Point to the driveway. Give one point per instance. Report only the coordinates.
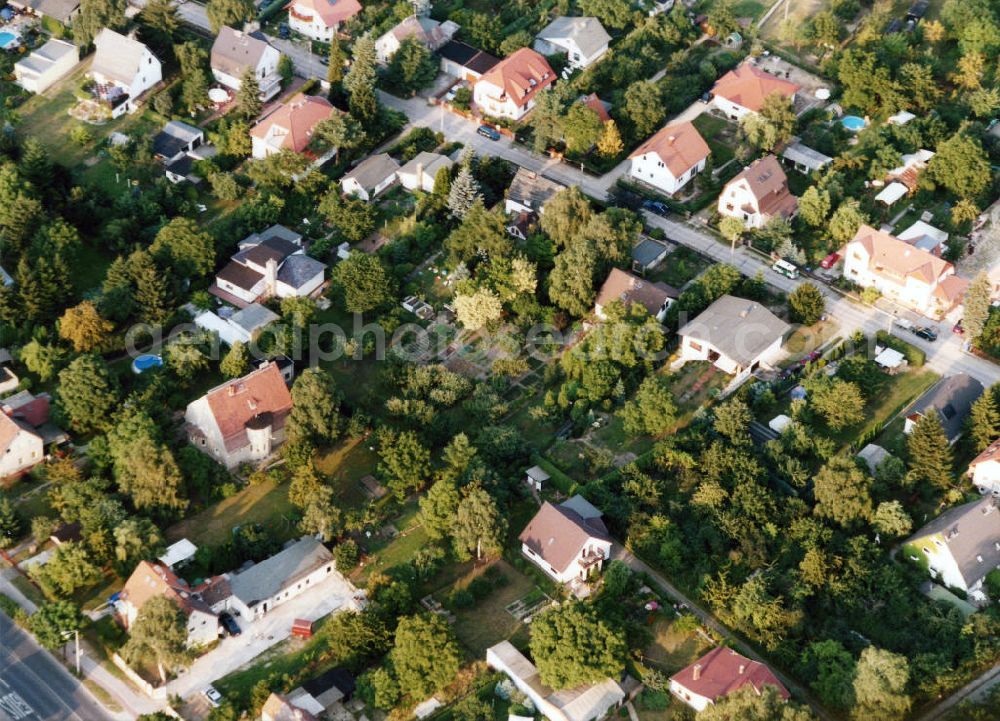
(333, 594)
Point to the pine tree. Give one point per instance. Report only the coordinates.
(237, 361)
(984, 421)
(335, 69)
(930, 457)
(610, 143)
(463, 194)
(194, 86)
(35, 166)
(152, 288)
(360, 80)
(976, 306)
(248, 96)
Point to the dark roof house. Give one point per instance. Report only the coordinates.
(952, 398)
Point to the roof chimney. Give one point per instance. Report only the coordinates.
(743, 667)
(697, 671)
(671, 139)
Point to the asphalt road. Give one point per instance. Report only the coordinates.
(35, 687)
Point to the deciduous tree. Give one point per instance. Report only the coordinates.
(961, 166)
(880, 686)
(236, 362)
(159, 634)
(53, 620)
(403, 461)
(228, 12)
(478, 309)
(364, 281)
(182, 244)
(315, 416)
(479, 530)
(843, 492)
(83, 326)
(425, 655)
(572, 645)
(652, 411)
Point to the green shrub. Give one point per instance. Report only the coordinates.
(346, 555)
(480, 588)
(460, 598)
(914, 356)
(654, 700)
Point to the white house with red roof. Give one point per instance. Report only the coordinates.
(985, 469)
(510, 88)
(718, 673)
(21, 447)
(568, 541)
(242, 420)
(742, 90)
(758, 194)
(671, 158)
(320, 19)
(290, 126)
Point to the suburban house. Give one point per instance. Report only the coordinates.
(123, 70)
(671, 158)
(282, 708)
(582, 39)
(952, 398)
(149, 580)
(242, 420)
(961, 546)
(568, 541)
(521, 224)
(737, 335)
(64, 11)
(235, 52)
(803, 158)
(21, 447)
(626, 288)
(925, 237)
(428, 32)
(178, 146)
(290, 126)
(902, 272)
(588, 702)
(718, 673)
(529, 192)
(272, 263)
(243, 326)
(985, 470)
(320, 19)
(758, 194)
(46, 65)
(371, 177)
(510, 88)
(464, 61)
(601, 108)
(421, 172)
(742, 90)
(275, 580)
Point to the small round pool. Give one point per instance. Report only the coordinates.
(853, 123)
(145, 362)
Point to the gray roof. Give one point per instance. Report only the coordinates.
(373, 170)
(254, 317)
(873, 455)
(174, 137)
(804, 155)
(267, 578)
(537, 473)
(972, 532)
(41, 59)
(583, 508)
(431, 163)
(234, 51)
(118, 57)
(297, 270)
(531, 189)
(739, 328)
(588, 33)
(647, 251)
(61, 10)
(275, 231)
(952, 397)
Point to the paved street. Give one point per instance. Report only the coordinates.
(35, 687)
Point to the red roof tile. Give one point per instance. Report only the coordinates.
(747, 87)
(521, 76)
(679, 146)
(295, 122)
(722, 671)
(253, 397)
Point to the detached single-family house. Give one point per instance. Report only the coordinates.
(46, 65)
(758, 194)
(243, 326)
(588, 702)
(961, 545)
(568, 541)
(421, 172)
(371, 177)
(985, 469)
(235, 52)
(178, 146)
(902, 272)
(583, 39)
(242, 420)
(149, 580)
(123, 69)
(529, 192)
(279, 578)
(272, 263)
(742, 90)
(952, 399)
(510, 88)
(63, 11)
(735, 334)
(926, 237)
(626, 288)
(290, 126)
(671, 158)
(717, 674)
(284, 708)
(21, 448)
(464, 61)
(320, 19)
(428, 32)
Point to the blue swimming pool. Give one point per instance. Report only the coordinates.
(145, 362)
(7, 39)
(853, 123)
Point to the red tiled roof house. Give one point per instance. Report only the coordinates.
(290, 126)
(719, 673)
(242, 420)
(568, 541)
(742, 90)
(671, 158)
(320, 19)
(510, 88)
(758, 194)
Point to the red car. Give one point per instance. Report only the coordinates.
(829, 261)
(957, 329)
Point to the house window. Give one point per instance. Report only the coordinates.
(926, 550)
(695, 346)
(729, 207)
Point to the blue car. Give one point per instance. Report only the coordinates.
(655, 206)
(487, 132)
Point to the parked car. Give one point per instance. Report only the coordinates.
(229, 623)
(829, 261)
(928, 334)
(655, 206)
(212, 694)
(487, 132)
(284, 31)
(957, 329)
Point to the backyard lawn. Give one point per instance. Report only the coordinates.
(719, 134)
(806, 339)
(682, 265)
(895, 396)
(344, 466)
(673, 648)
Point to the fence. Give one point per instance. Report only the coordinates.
(157, 692)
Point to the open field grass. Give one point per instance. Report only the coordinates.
(806, 339)
(488, 622)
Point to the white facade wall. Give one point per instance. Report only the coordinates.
(732, 201)
(199, 415)
(25, 451)
(942, 564)
(295, 589)
(283, 290)
(314, 28)
(386, 46)
(249, 296)
(651, 170)
(574, 570)
(692, 699)
(266, 71)
(913, 293)
(697, 349)
(40, 82)
(986, 477)
(730, 109)
(575, 57)
(486, 96)
(350, 186)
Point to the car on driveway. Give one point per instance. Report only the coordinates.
(284, 31)
(487, 132)
(928, 334)
(655, 206)
(229, 623)
(958, 328)
(213, 696)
